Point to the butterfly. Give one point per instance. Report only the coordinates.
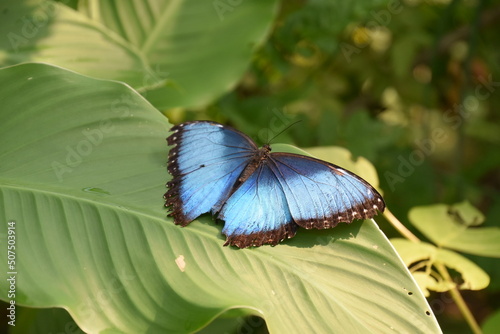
(262, 197)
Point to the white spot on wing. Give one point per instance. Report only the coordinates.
(180, 262)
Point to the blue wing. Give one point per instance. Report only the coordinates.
(257, 212)
(287, 190)
(205, 164)
(321, 195)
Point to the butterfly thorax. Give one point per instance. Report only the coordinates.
(259, 158)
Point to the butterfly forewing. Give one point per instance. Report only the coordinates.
(205, 163)
(320, 194)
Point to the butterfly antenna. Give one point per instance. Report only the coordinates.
(289, 126)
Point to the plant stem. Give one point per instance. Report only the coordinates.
(399, 226)
(457, 297)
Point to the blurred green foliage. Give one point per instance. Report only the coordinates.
(410, 85)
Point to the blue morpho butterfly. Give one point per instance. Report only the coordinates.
(262, 197)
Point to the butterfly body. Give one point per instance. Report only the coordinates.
(262, 197)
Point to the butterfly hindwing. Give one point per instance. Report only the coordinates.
(257, 212)
(205, 162)
(320, 195)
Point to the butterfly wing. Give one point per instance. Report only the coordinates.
(320, 195)
(257, 212)
(205, 163)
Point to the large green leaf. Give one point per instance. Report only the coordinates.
(177, 53)
(38, 30)
(82, 177)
